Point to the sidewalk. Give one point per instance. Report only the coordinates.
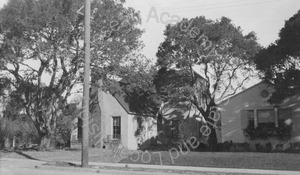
(144, 167)
(194, 169)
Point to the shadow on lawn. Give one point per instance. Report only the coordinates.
(51, 163)
(25, 155)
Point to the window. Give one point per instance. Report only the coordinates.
(264, 123)
(116, 127)
(250, 116)
(266, 118)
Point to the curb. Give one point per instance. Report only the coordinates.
(195, 169)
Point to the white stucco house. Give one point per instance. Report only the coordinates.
(112, 123)
(248, 117)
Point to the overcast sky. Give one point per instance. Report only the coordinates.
(265, 17)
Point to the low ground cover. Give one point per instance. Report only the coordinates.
(247, 160)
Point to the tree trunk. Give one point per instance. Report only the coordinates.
(47, 142)
(2, 144)
(212, 139)
(48, 138)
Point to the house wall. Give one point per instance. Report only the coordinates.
(232, 128)
(110, 108)
(144, 131)
(294, 104)
(101, 123)
(183, 112)
(132, 126)
(233, 123)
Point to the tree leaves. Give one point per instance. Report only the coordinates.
(45, 39)
(280, 62)
(216, 50)
(202, 62)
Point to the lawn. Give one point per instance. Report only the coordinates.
(249, 160)
(95, 155)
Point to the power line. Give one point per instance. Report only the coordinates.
(218, 7)
(212, 5)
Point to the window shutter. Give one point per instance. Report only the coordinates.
(244, 119)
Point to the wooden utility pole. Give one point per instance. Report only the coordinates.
(86, 88)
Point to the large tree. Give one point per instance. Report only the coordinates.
(202, 61)
(41, 52)
(139, 91)
(280, 62)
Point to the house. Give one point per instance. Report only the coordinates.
(248, 117)
(111, 123)
(180, 119)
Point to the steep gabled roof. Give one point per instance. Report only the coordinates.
(237, 94)
(126, 106)
(120, 99)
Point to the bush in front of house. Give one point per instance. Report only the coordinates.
(229, 146)
(268, 147)
(283, 131)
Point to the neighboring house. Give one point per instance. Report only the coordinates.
(177, 121)
(180, 119)
(248, 117)
(112, 123)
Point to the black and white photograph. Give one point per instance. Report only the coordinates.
(159, 87)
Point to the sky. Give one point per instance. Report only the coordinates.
(264, 17)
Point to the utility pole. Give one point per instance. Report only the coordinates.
(86, 89)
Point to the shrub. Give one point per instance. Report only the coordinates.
(281, 132)
(63, 132)
(268, 147)
(259, 147)
(22, 130)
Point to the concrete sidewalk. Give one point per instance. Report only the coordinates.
(27, 163)
(194, 169)
(38, 167)
(20, 163)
